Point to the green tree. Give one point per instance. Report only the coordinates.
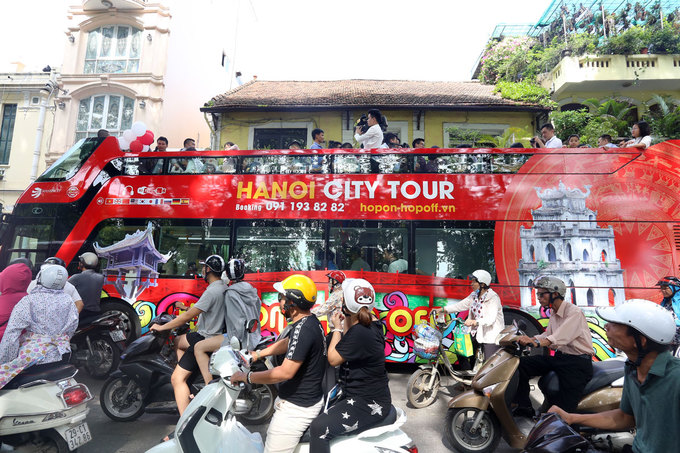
(508, 137)
(618, 113)
(570, 122)
(665, 122)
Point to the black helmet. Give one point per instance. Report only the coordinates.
(215, 263)
(55, 260)
(236, 269)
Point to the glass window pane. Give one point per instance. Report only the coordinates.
(186, 165)
(454, 250)
(111, 66)
(370, 246)
(122, 41)
(134, 44)
(465, 163)
(107, 38)
(89, 67)
(228, 165)
(427, 163)
(128, 112)
(389, 163)
(97, 112)
(83, 114)
(92, 40)
(279, 246)
(133, 66)
(357, 163)
(112, 119)
(508, 163)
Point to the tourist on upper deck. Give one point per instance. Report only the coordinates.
(517, 145)
(574, 141)
(418, 143)
(189, 145)
(373, 137)
(295, 145)
(391, 140)
(605, 141)
(548, 139)
(318, 139)
(102, 133)
(347, 145)
(642, 136)
(161, 144)
(231, 146)
(332, 144)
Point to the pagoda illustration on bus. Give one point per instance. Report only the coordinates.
(566, 242)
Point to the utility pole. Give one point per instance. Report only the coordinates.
(50, 87)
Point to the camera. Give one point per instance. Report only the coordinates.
(533, 142)
(362, 123)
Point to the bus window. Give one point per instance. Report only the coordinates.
(370, 246)
(448, 249)
(148, 166)
(508, 163)
(353, 163)
(31, 240)
(465, 163)
(188, 165)
(274, 246)
(389, 163)
(70, 162)
(427, 164)
(228, 165)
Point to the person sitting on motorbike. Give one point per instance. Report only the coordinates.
(486, 313)
(40, 327)
(89, 285)
(568, 334)
(359, 347)
(670, 290)
(300, 396)
(68, 287)
(333, 301)
(13, 283)
(210, 323)
(651, 385)
(241, 305)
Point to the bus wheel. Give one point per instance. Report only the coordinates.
(131, 323)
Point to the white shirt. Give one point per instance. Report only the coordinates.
(646, 140)
(554, 142)
(68, 289)
(373, 137)
(491, 321)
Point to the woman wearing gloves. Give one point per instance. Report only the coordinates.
(486, 313)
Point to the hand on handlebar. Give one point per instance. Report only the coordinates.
(238, 376)
(525, 340)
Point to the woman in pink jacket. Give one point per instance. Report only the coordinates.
(13, 283)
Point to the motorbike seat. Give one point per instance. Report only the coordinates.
(391, 418)
(55, 371)
(604, 373)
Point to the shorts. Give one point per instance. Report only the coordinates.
(188, 360)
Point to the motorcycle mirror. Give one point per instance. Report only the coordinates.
(252, 326)
(522, 326)
(235, 344)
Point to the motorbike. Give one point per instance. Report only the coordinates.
(97, 345)
(551, 434)
(477, 418)
(256, 401)
(44, 409)
(424, 383)
(209, 422)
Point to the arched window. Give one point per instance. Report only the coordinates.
(573, 292)
(612, 297)
(569, 256)
(586, 255)
(532, 252)
(591, 298)
(603, 256)
(112, 49)
(550, 253)
(112, 112)
(533, 292)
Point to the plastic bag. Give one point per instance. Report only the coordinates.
(462, 341)
(235, 438)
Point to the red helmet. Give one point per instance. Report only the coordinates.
(337, 276)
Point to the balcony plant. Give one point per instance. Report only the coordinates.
(525, 92)
(629, 42)
(665, 121)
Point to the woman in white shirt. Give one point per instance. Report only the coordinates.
(642, 136)
(486, 313)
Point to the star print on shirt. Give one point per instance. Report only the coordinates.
(323, 436)
(350, 402)
(345, 415)
(349, 428)
(375, 408)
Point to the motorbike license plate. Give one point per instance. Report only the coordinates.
(117, 335)
(75, 437)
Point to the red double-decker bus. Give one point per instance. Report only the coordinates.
(415, 223)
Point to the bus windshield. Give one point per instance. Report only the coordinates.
(68, 165)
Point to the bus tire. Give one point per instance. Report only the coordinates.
(131, 322)
(533, 327)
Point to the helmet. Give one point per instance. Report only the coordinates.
(648, 318)
(669, 281)
(236, 269)
(358, 293)
(482, 276)
(215, 263)
(337, 276)
(89, 260)
(55, 260)
(552, 284)
(298, 288)
(52, 277)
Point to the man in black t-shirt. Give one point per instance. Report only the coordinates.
(300, 396)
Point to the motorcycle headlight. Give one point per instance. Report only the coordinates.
(487, 391)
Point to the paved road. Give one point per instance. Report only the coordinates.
(424, 426)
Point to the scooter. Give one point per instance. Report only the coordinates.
(142, 381)
(476, 419)
(44, 409)
(209, 424)
(97, 345)
(551, 434)
(256, 401)
(424, 383)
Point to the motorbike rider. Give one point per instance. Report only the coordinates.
(568, 334)
(334, 300)
(359, 347)
(651, 387)
(241, 304)
(89, 285)
(68, 287)
(670, 290)
(14, 280)
(210, 323)
(300, 396)
(486, 313)
(40, 327)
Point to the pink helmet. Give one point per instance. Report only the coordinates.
(337, 276)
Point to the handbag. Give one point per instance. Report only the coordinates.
(462, 341)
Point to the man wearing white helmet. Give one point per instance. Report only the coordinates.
(40, 327)
(569, 336)
(643, 330)
(89, 284)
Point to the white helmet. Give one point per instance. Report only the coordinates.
(650, 319)
(89, 260)
(52, 277)
(482, 276)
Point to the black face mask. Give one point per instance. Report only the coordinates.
(345, 311)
